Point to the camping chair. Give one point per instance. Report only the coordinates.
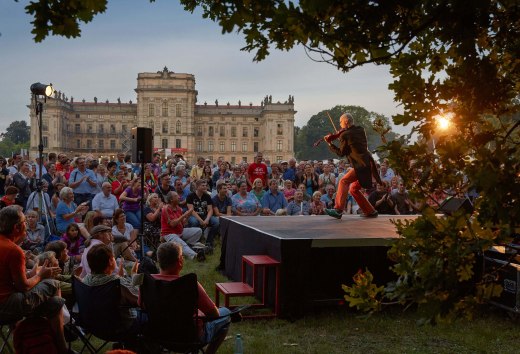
(98, 313)
(171, 307)
(5, 336)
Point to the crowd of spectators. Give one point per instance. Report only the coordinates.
(88, 211)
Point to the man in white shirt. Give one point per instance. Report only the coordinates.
(105, 201)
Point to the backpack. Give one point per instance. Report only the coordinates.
(34, 336)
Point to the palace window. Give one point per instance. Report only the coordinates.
(199, 146)
(45, 125)
(178, 127)
(151, 110)
(165, 127)
(112, 144)
(77, 128)
(178, 110)
(112, 128)
(222, 131)
(101, 144)
(233, 132)
(164, 143)
(233, 160)
(244, 158)
(233, 146)
(89, 144)
(279, 159)
(256, 132)
(199, 130)
(255, 146)
(124, 128)
(222, 146)
(279, 129)
(45, 141)
(165, 109)
(178, 143)
(101, 128)
(78, 144)
(210, 131)
(244, 132)
(244, 147)
(210, 145)
(89, 128)
(279, 145)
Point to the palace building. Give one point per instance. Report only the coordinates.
(167, 103)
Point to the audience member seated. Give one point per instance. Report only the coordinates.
(130, 199)
(403, 204)
(202, 206)
(105, 201)
(317, 206)
(298, 206)
(35, 239)
(74, 241)
(25, 293)
(381, 199)
(306, 196)
(328, 197)
(326, 178)
(103, 265)
(164, 187)
(288, 190)
(169, 256)
(273, 200)
(10, 197)
(67, 210)
(258, 189)
(244, 203)
(182, 192)
(152, 215)
(124, 234)
(100, 234)
(173, 230)
(120, 184)
(65, 263)
(221, 201)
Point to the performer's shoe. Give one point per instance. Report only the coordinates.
(372, 215)
(334, 213)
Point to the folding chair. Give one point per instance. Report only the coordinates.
(5, 336)
(171, 307)
(98, 313)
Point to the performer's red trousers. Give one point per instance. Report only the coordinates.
(349, 183)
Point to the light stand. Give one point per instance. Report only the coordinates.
(39, 89)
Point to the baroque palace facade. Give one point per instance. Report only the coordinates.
(167, 103)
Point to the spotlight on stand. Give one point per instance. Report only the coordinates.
(42, 89)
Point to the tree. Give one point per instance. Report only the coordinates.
(17, 132)
(320, 125)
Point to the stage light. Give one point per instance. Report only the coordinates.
(42, 89)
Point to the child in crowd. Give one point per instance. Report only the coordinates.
(9, 198)
(35, 233)
(288, 190)
(74, 241)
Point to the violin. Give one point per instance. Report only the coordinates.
(332, 137)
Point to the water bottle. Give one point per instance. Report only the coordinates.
(239, 349)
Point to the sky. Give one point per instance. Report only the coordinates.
(135, 36)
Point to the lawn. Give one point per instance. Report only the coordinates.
(342, 330)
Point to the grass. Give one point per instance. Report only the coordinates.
(342, 330)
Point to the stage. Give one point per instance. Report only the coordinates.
(317, 253)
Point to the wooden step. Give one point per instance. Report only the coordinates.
(235, 289)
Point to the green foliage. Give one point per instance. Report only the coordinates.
(18, 132)
(320, 125)
(364, 294)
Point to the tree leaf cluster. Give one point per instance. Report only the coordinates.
(15, 138)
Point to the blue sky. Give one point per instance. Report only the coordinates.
(135, 36)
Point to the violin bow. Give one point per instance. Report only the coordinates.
(332, 122)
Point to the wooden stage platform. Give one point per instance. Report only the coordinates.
(317, 253)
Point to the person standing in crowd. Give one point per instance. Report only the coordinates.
(53, 177)
(131, 199)
(353, 145)
(25, 181)
(83, 182)
(385, 173)
(381, 199)
(257, 169)
(155, 166)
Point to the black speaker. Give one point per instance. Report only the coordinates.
(452, 204)
(142, 145)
